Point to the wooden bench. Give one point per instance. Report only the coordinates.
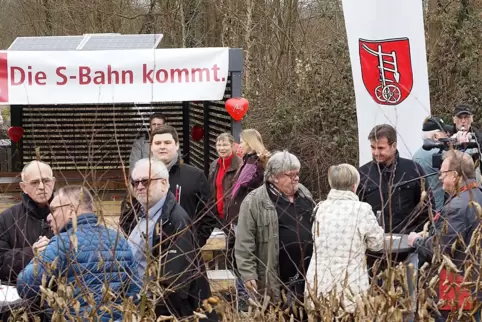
(214, 252)
(221, 280)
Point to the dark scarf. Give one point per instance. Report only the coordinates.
(173, 162)
(34, 209)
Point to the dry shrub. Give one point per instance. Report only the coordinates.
(298, 79)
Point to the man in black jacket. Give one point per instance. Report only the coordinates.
(165, 228)
(187, 183)
(394, 188)
(23, 227)
(393, 185)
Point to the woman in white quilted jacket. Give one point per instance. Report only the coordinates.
(344, 228)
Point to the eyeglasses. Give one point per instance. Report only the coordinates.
(145, 182)
(447, 171)
(54, 209)
(292, 176)
(36, 183)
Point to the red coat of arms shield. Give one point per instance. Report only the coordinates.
(386, 68)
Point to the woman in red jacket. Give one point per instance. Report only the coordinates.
(222, 173)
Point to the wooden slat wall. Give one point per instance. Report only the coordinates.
(81, 137)
(219, 122)
(196, 117)
(101, 136)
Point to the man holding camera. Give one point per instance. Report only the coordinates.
(463, 131)
(433, 129)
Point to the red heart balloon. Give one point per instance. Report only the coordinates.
(237, 107)
(197, 133)
(15, 133)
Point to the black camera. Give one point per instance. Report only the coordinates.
(445, 144)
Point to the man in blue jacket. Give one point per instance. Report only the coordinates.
(89, 266)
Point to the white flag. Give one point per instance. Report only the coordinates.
(388, 58)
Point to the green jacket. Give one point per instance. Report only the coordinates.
(257, 241)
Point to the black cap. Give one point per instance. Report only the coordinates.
(433, 123)
(462, 109)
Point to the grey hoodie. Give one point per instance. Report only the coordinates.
(140, 149)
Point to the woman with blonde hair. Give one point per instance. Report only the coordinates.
(249, 177)
(343, 230)
(251, 174)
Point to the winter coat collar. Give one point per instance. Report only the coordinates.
(335, 194)
(88, 219)
(390, 168)
(168, 207)
(33, 209)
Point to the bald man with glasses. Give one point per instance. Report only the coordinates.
(23, 227)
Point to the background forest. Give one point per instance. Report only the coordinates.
(297, 68)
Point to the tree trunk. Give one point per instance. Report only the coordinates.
(148, 25)
(49, 29)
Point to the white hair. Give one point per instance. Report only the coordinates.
(31, 163)
(281, 162)
(429, 135)
(158, 168)
(343, 177)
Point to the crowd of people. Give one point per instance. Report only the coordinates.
(282, 244)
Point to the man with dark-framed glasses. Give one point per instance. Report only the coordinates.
(163, 241)
(23, 227)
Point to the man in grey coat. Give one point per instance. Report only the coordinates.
(274, 242)
(433, 129)
(142, 147)
(453, 227)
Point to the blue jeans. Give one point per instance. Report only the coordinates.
(412, 277)
(242, 293)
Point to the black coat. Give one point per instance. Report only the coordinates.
(20, 227)
(181, 270)
(196, 198)
(403, 206)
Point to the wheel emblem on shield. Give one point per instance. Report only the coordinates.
(386, 69)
